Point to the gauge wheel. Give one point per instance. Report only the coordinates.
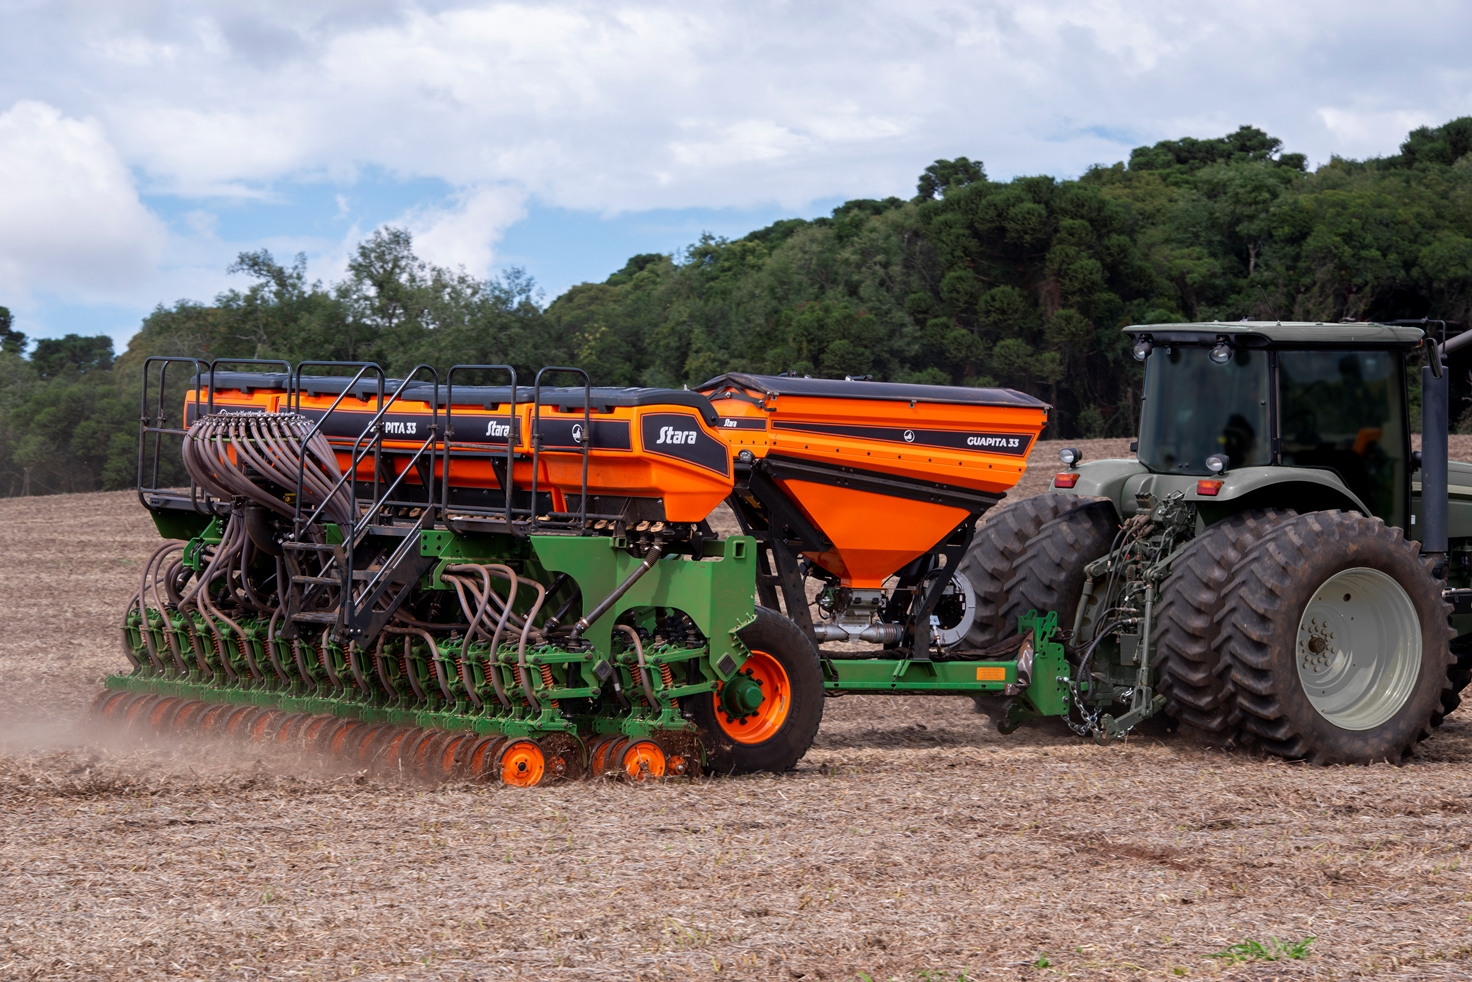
(765, 716)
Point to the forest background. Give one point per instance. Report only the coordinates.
(1022, 283)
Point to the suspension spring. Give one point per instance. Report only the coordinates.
(669, 681)
(549, 682)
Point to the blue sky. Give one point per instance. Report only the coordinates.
(144, 143)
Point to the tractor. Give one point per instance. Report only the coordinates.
(1277, 568)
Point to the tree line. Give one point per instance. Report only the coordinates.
(1022, 283)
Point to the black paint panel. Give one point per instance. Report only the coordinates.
(679, 435)
(566, 434)
(1011, 444)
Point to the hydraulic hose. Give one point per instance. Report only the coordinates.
(650, 558)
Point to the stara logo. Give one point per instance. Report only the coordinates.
(909, 436)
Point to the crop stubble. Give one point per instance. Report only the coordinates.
(912, 838)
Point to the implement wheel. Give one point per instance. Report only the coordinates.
(1337, 640)
(522, 764)
(765, 717)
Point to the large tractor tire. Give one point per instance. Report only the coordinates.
(773, 734)
(1337, 641)
(1049, 573)
(991, 562)
(1460, 674)
(1196, 692)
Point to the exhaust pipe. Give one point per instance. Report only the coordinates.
(1434, 453)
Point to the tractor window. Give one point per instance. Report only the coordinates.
(1344, 410)
(1195, 408)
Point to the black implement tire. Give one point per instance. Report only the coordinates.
(778, 641)
(1049, 574)
(992, 559)
(1337, 641)
(1196, 693)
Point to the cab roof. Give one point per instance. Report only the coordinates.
(1262, 334)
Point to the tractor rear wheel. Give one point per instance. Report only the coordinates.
(1460, 674)
(1337, 641)
(1185, 651)
(1049, 573)
(991, 561)
(770, 723)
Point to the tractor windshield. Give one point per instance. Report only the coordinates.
(1195, 408)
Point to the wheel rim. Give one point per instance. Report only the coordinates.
(644, 761)
(522, 764)
(764, 722)
(1358, 649)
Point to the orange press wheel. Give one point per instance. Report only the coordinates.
(188, 716)
(107, 701)
(479, 763)
(239, 722)
(642, 760)
(522, 764)
(263, 727)
(136, 710)
(313, 727)
(371, 742)
(604, 751)
(290, 728)
(161, 716)
(446, 763)
(386, 760)
(211, 716)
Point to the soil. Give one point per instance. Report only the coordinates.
(912, 842)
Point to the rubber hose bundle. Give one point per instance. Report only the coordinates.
(279, 447)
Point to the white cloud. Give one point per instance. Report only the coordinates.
(70, 217)
(466, 233)
(629, 105)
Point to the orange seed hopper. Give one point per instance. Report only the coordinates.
(883, 471)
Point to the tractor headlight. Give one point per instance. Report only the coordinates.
(1069, 456)
(1216, 463)
(1221, 354)
(1142, 348)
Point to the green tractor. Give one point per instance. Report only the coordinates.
(1278, 568)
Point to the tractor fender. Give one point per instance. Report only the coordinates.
(1299, 488)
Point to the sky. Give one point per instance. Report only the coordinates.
(144, 143)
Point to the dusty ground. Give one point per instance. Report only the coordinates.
(913, 842)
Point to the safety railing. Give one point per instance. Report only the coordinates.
(582, 437)
(505, 476)
(153, 428)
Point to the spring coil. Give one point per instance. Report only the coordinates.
(669, 681)
(549, 682)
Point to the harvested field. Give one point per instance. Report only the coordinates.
(913, 841)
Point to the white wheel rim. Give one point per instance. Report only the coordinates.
(1358, 649)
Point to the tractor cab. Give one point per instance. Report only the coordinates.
(1224, 402)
